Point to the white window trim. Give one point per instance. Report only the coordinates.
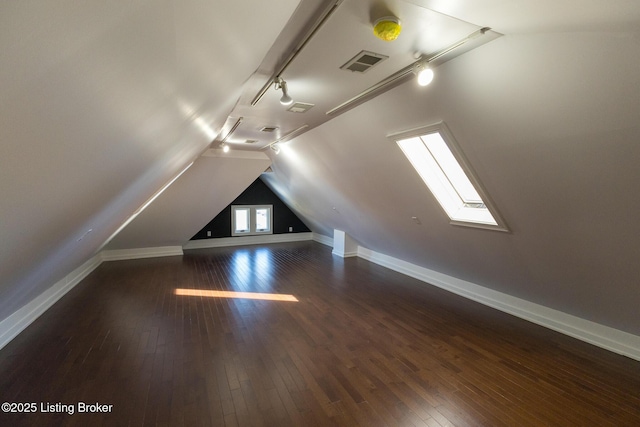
(252, 220)
(450, 141)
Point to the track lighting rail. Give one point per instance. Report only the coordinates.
(321, 21)
(400, 76)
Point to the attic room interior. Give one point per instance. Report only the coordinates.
(263, 213)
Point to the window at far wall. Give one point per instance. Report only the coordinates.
(434, 154)
(251, 220)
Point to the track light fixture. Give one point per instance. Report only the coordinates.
(281, 84)
(424, 72)
(223, 143)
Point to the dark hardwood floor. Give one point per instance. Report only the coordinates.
(363, 346)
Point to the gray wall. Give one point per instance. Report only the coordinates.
(553, 136)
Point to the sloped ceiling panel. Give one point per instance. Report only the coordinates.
(101, 104)
(186, 206)
(541, 16)
(553, 136)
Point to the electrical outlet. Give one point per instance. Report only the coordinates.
(290, 229)
(208, 233)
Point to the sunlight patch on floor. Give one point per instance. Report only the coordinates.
(239, 295)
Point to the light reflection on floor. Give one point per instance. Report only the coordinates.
(236, 295)
(251, 270)
(263, 262)
(240, 268)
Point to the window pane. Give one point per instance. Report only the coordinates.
(431, 156)
(431, 174)
(262, 219)
(242, 220)
(451, 167)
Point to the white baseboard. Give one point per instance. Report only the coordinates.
(321, 238)
(344, 254)
(247, 240)
(18, 321)
(602, 336)
(138, 253)
(23, 317)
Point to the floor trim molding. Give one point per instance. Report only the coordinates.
(11, 326)
(17, 322)
(594, 333)
(321, 238)
(602, 336)
(344, 254)
(138, 253)
(247, 240)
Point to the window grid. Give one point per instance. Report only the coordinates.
(437, 159)
(251, 220)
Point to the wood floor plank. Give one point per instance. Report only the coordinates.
(363, 346)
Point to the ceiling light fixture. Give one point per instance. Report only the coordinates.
(402, 75)
(322, 19)
(223, 143)
(424, 72)
(281, 84)
(275, 148)
(387, 28)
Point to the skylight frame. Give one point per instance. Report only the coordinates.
(449, 198)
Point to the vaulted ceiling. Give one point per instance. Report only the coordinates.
(102, 105)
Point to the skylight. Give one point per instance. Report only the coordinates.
(431, 152)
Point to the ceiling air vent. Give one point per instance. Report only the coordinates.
(362, 62)
(300, 107)
(251, 141)
(268, 129)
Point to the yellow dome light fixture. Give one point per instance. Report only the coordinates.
(387, 28)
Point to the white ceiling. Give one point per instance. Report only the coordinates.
(554, 146)
(103, 104)
(314, 76)
(544, 16)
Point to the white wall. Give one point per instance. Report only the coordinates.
(195, 198)
(101, 104)
(553, 136)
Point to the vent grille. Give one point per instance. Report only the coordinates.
(268, 129)
(300, 107)
(363, 62)
(251, 141)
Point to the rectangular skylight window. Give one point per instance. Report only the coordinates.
(431, 152)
